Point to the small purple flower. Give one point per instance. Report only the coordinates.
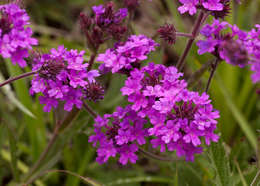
(119, 133)
(98, 10)
(125, 56)
(188, 6)
(216, 7)
(15, 36)
(225, 46)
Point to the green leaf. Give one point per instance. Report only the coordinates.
(243, 180)
(220, 163)
(241, 120)
(10, 95)
(13, 149)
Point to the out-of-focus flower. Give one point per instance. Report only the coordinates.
(15, 36)
(226, 46)
(191, 6)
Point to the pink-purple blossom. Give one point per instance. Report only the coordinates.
(237, 47)
(62, 76)
(180, 119)
(191, 6)
(15, 35)
(127, 55)
(228, 46)
(120, 134)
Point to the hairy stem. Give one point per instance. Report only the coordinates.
(91, 61)
(194, 78)
(156, 157)
(12, 79)
(196, 28)
(184, 34)
(90, 110)
(213, 70)
(255, 178)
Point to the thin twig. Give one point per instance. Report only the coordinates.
(213, 70)
(90, 110)
(10, 80)
(161, 158)
(197, 75)
(255, 178)
(184, 34)
(91, 61)
(194, 33)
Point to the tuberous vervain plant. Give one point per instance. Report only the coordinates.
(164, 112)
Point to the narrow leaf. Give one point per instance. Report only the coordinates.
(220, 163)
(241, 120)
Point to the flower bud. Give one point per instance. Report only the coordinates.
(167, 32)
(94, 91)
(85, 22)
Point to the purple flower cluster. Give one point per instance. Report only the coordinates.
(15, 37)
(174, 117)
(62, 76)
(191, 6)
(227, 42)
(253, 47)
(119, 133)
(126, 56)
(106, 24)
(180, 118)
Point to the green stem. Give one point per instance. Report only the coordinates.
(90, 110)
(91, 61)
(213, 70)
(194, 78)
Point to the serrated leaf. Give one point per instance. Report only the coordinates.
(220, 163)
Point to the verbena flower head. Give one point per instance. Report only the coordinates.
(127, 55)
(180, 119)
(119, 133)
(62, 76)
(184, 125)
(228, 46)
(191, 6)
(15, 37)
(152, 82)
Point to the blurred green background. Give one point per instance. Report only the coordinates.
(25, 129)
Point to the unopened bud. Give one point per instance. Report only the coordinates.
(94, 92)
(85, 22)
(168, 33)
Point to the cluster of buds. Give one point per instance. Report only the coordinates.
(106, 24)
(131, 4)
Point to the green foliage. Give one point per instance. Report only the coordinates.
(25, 130)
